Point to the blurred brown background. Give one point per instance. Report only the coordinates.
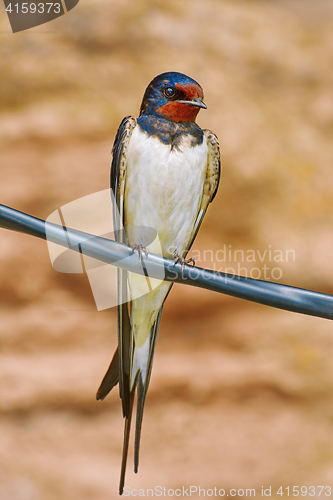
(241, 394)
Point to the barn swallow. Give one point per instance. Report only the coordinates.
(165, 171)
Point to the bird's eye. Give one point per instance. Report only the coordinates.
(169, 92)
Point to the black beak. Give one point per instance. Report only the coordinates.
(196, 101)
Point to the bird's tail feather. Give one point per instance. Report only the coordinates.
(111, 378)
(127, 430)
(139, 380)
(125, 346)
(143, 388)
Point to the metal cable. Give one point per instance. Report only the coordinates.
(268, 293)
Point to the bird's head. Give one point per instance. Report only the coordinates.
(173, 96)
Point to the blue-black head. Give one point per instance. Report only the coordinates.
(173, 96)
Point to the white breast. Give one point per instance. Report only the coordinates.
(164, 189)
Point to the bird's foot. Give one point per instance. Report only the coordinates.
(183, 262)
(141, 250)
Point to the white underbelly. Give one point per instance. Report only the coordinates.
(163, 191)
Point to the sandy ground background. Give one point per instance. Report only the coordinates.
(241, 394)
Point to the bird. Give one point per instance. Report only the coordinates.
(165, 171)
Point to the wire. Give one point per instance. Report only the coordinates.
(112, 252)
